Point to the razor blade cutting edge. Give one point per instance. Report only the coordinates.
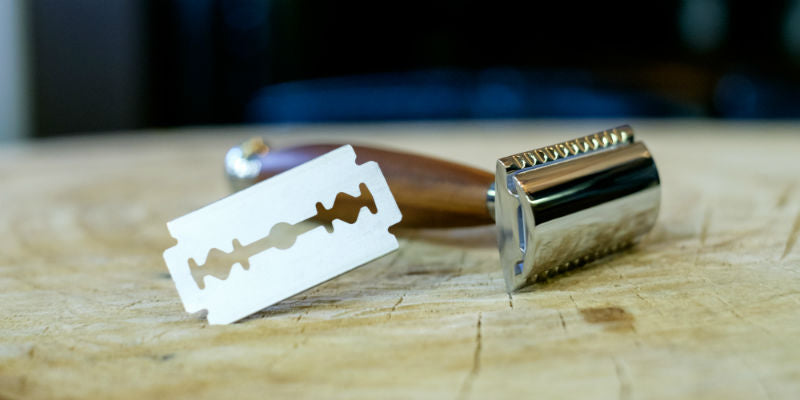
(275, 274)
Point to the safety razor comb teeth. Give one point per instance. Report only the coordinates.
(274, 274)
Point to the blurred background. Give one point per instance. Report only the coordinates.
(82, 66)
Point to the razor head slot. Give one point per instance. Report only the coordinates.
(560, 206)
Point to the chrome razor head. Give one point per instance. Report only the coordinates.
(559, 206)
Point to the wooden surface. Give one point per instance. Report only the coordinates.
(707, 306)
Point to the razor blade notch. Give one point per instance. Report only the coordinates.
(274, 273)
(282, 236)
(560, 206)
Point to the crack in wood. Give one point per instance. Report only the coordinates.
(783, 198)
(394, 307)
(563, 323)
(648, 302)
(466, 387)
(704, 228)
(792, 238)
(623, 379)
(574, 303)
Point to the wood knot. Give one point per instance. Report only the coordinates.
(616, 318)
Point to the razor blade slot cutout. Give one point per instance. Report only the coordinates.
(283, 235)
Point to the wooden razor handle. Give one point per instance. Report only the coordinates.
(431, 193)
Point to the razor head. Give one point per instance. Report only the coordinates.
(243, 224)
(560, 206)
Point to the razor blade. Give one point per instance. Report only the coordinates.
(267, 273)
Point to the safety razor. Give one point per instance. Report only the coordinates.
(556, 207)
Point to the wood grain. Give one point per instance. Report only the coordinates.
(431, 193)
(704, 308)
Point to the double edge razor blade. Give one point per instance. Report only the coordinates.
(243, 221)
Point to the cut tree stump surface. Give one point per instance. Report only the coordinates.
(706, 306)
